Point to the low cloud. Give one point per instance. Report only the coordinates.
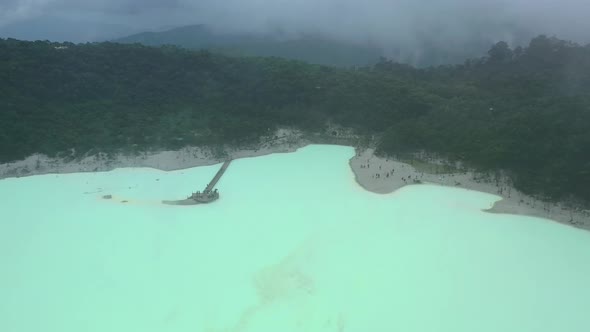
(394, 25)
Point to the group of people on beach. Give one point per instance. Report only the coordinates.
(390, 173)
(387, 174)
(378, 174)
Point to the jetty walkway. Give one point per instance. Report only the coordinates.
(208, 195)
(218, 176)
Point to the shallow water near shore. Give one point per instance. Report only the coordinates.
(294, 244)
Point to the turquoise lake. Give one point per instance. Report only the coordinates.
(294, 244)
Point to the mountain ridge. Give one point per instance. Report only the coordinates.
(307, 48)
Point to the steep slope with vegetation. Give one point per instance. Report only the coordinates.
(525, 110)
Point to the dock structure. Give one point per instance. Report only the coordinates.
(217, 176)
(208, 195)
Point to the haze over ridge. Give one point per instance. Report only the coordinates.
(402, 28)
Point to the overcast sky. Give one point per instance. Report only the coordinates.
(381, 21)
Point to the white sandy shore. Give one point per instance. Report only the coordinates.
(371, 173)
(288, 141)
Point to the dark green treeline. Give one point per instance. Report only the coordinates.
(525, 110)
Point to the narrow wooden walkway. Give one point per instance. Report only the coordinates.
(218, 176)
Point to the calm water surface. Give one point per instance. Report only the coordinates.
(293, 245)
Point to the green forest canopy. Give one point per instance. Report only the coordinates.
(525, 110)
(309, 48)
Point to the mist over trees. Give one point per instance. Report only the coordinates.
(308, 48)
(525, 110)
(417, 32)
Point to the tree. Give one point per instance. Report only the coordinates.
(500, 53)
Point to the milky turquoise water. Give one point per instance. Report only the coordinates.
(294, 244)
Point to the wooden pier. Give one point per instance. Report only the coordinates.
(208, 195)
(217, 176)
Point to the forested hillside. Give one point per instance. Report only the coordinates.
(525, 110)
(308, 48)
